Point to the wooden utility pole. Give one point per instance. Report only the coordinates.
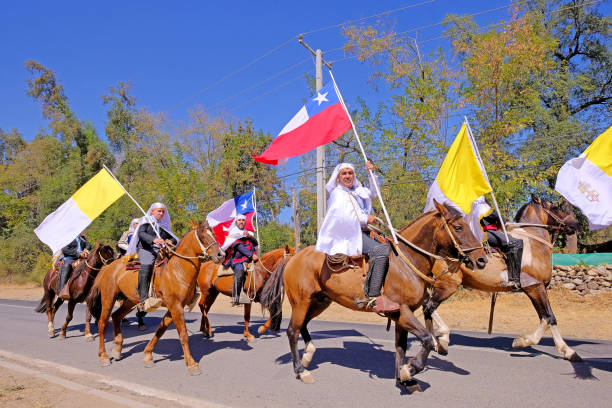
(320, 168)
(296, 219)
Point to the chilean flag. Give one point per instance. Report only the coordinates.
(320, 121)
(221, 219)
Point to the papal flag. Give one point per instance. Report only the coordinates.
(71, 218)
(586, 181)
(461, 180)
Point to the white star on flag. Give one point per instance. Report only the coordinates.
(244, 205)
(321, 98)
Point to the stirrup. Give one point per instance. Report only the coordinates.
(371, 302)
(151, 304)
(514, 285)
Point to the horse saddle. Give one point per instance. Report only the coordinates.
(133, 264)
(342, 262)
(223, 271)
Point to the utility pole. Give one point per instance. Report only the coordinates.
(296, 219)
(320, 168)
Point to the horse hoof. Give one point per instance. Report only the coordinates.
(250, 339)
(574, 357)
(116, 355)
(520, 342)
(89, 337)
(262, 329)
(405, 373)
(142, 327)
(52, 334)
(105, 362)
(62, 335)
(411, 386)
(148, 363)
(306, 377)
(442, 347)
(194, 370)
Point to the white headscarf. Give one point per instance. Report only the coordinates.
(358, 190)
(134, 221)
(164, 223)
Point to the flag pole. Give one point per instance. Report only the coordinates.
(475, 148)
(382, 204)
(255, 208)
(129, 195)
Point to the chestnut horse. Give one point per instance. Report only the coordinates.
(79, 285)
(533, 221)
(312, 284)
(174, 282)
(211, 285)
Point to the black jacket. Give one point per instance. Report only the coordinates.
(70, 250)
(146, 235)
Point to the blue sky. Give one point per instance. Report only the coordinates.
(173, 51)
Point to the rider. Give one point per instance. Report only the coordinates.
(344, 230)
(241, 247)
(78, 248)
(149, 237)
(512, 247)
(126, 237)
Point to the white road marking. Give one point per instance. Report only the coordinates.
(129, 386)
(21, 307)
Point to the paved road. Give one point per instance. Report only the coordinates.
(354, 365)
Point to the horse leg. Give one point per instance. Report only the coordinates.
(315, 309)
(265, 327)
(402, 368)
(298, 314)
(161, 329)
(443, 331)
(117, 316)
(409, 322)
(107, 307)
(49, 295)
(88, 335)
(539, 298)
(247, 318)
(206, 301)
(179, 322)
(71, 305)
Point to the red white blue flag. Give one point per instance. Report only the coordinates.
(222, 218)
(320, 121)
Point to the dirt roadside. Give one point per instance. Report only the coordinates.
(578, 316)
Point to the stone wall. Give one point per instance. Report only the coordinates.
(582, 279)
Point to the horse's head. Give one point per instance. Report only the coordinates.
(101, 255)
(559, 218)
(207, 241)
(289, 251)
(454, 238)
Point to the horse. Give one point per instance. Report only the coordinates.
(533, 221)
(311, 285)
(211, 285)
(173, 281)
(79, 285)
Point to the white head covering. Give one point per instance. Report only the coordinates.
(234, 232)
(164, 223)
(240, 217)
(134, 221)
(333, 179)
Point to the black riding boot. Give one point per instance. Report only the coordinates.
(379, 264)
(144, 281)
(65, 272)
(238, 285)
(513, 263)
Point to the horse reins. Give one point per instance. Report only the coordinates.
(201, 258)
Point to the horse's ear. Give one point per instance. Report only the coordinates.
(194, 225)
(287, 249)
(441, 208)
(536, 199)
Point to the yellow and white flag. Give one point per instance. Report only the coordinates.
(586, 181)
(461, 180)
(71, 218)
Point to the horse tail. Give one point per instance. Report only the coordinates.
(42, 306)
(94, 300)
(273, 294)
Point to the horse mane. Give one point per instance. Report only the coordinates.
(453, 212)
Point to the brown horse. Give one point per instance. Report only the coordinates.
(174, 282)
(211, 286)
(533, 222)
(79, 285)
(311, 285)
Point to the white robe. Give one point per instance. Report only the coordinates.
(347, 213)
(234, 234)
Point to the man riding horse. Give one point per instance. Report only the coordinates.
(150, 236)
(344, 229)
(241, 247)
(78, 249)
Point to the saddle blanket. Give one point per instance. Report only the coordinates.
(222, 271)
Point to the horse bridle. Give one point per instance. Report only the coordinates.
(104, 262)
(463, 252)
(204, 257)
